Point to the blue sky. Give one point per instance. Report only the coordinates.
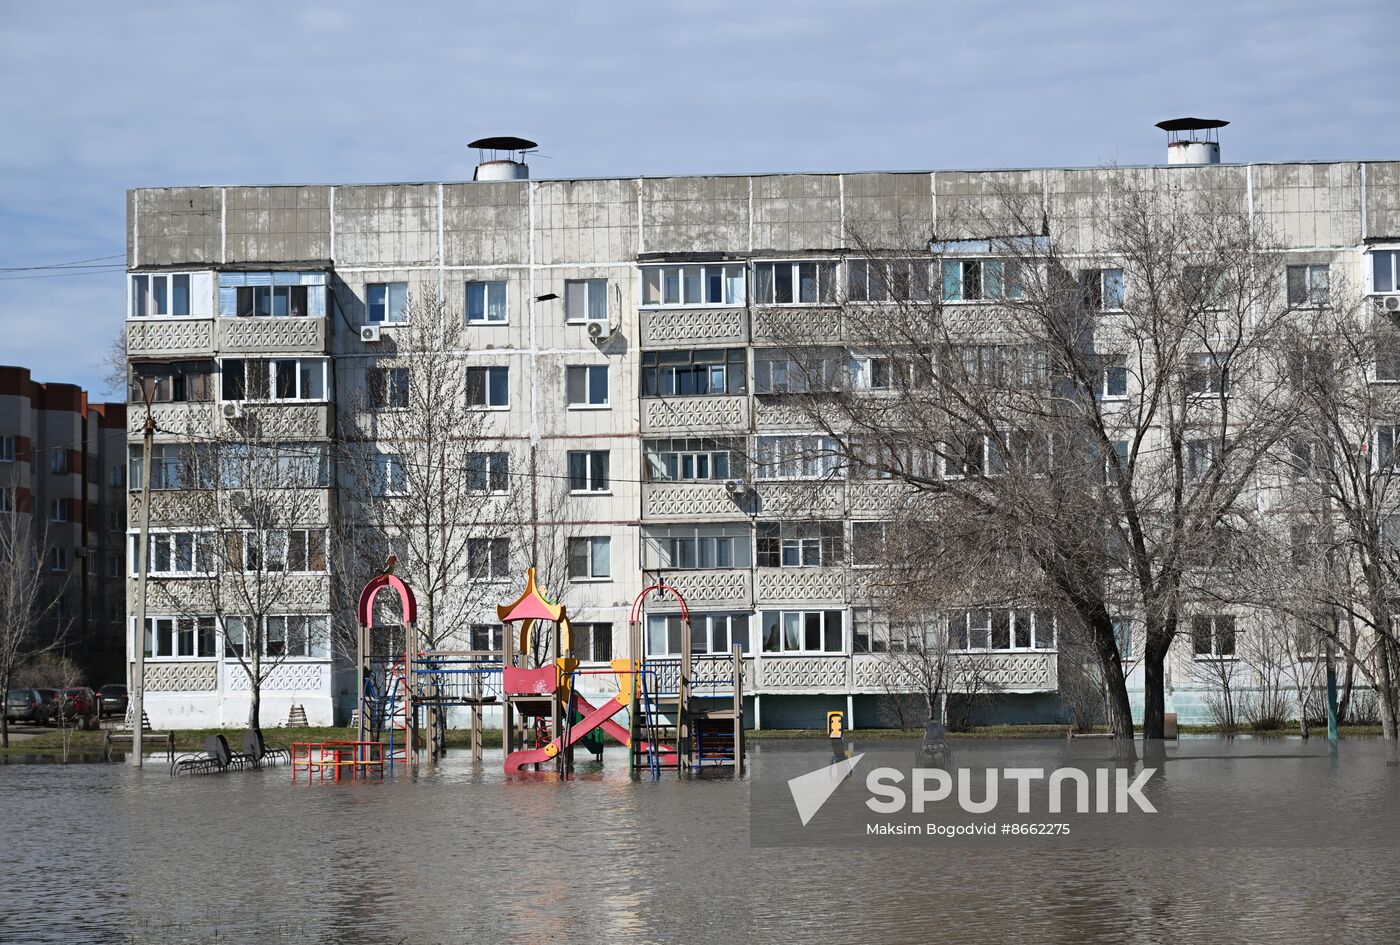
(101, 97)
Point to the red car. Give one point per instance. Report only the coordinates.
(75, 706)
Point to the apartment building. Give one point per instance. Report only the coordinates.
(626, 338)
(63, 473)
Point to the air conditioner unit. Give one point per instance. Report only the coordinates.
(599, 330)
(233, 411)
(736, 486)
(1388, 303)
(370, 333)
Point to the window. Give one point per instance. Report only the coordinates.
(972, 280)
(709, 634)
(486, 637)
(895, 280)
(58, 510)
(172, 467)
(7, 449)
(1385, 271)
(1203, 456)
(590, 559)
(1302, 459)
(592, 641)
(175, 554)
(7, 500)
(1001, 629)
(586, 386)
(1385, 439)
(486, 303)
(58, 462)
(707, 284)
(1203, 287)
(803, 631)
(288, 465)
(173, 382)
(588, 471)
(779, 371)
(291, 635)
(488, 388)
(1022, 367)
(881, 372)
(585, 300)
(488, 559)
(1308, 285)
(873, 632)
(794, 283)
(687, 547)
(1207, 374)
(275, 379)
(1102, 289)
(1123, 636)
(1302, 539)
(694, 373)
(1213, 636)
(180, 637)
(386, 303)
(390, 475)
(116, 476)
(488, 472)
(272, 294)
(160, 294)
(388, 388)
(58, 558)
(1112, 382)
(797, 457)
(867, 543)
(799, 544)
(690, 460)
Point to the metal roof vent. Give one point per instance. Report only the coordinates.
(1193, 140)
(502, 158)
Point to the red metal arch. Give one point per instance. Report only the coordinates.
(658, 588)
(365, 610)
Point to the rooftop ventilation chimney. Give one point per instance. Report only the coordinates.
(1193, 140)
(502, 158)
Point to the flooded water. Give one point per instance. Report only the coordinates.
(105, 853)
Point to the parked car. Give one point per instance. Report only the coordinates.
(46, 705)
(111, 700)
(76, 706)
(24, 705)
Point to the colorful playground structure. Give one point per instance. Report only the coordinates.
(681, 712)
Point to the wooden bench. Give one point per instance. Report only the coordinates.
(126, 736)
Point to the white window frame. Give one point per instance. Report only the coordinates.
(1316, 293)
(1215, 368)
(798, 456)
(698, 547)
(683, 276)
(486, 387)
(497, 563)
(866, 266)
(830, 296)
(961, 261)
(320, 641)
(488, 289)
(191, 280)
(490, 460)
(592, 484)
(1108, 365)
(589, 287)
(390, 316)
(200, 546)
(390, 476)
(693, 454)
(702, 633)
(825, 616)
(273, 369)
(58, 511)
(58, 559)
(1216, 634)
(387, 387)
(595, 549)
(180, 625)
(590, 383)
(1374, 255)
(979, 624)
(7, 448)
(58, 462)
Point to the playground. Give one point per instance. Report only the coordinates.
(678, 714)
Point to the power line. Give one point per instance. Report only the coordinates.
(70, 264)
(63, 275)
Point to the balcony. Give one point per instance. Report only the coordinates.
(281, 421)
(254, 336)
(879, 673)
(801, 585)
(690, 500)
(686, 327)
(713, 589)
(799, 498)
(787, 325)
(178, 420)
(692, 416)
(169, 337)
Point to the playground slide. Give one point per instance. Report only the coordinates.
(593, 718)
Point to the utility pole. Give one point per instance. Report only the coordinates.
(138, 676)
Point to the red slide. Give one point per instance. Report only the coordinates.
(601, 717)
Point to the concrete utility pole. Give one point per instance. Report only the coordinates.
(138, 675)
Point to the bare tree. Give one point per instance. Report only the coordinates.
(31, 621)
(1100, 419)
(255, 502)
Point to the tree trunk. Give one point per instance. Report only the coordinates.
(1385, 692)
(1119, 710)
(255, 706)
(1154, 699)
